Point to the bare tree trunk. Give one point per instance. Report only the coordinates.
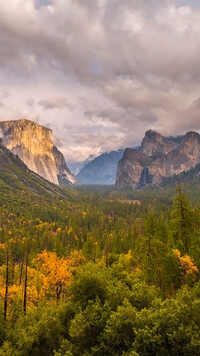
(6, 291)
(183, 224)
(25, 283)
(107, 252)
(21, 271)
(13, 272)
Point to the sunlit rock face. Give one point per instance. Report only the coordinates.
(34, 145)
(157, 158)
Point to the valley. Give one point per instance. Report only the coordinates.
(99, 178)
(87, 254)
(94, 270)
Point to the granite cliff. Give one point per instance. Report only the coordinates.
(15, 177)
(158, 157)
(33, 144)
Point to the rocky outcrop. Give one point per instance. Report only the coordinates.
(130, 168)
(155, 144)
(33, 143)
(157, 158)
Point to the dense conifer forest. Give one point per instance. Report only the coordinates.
(100, 178)
(95, 271)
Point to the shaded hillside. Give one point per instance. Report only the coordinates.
(102, 170)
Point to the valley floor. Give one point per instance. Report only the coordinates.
(99, 272)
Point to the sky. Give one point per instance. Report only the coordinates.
(100, 73)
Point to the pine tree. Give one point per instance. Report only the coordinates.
(6, 287)
(181, 219)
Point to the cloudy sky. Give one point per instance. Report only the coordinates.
(101, 72)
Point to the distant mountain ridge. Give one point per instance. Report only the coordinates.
(33, 143)
(75, 167)
(101, 170)
(158, 158)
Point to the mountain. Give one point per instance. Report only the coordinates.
(33, 143)
(155, 144)
(75, 167)
(16, 177)
(158, 158)
(101, 170)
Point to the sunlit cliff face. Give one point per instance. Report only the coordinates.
(34, 145)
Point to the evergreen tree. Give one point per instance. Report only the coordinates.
(181, 220)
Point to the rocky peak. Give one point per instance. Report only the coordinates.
(191, 136)
(151, 134)
(33, 143)
(155, 144)
(159, 157)
(191, 144)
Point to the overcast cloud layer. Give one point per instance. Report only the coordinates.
(101, 72)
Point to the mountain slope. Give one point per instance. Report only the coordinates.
(34, 145)
(101, 170)
(75, 167)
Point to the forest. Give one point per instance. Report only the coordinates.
(95, 272)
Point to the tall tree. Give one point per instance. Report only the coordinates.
(6, 287)
(25, 282)
(181, 219)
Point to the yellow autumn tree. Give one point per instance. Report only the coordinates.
(56, 274)
(187, 266)
(76, 259)
(16, 290)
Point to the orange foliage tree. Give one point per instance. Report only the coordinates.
(56, 273)
(187, 266)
